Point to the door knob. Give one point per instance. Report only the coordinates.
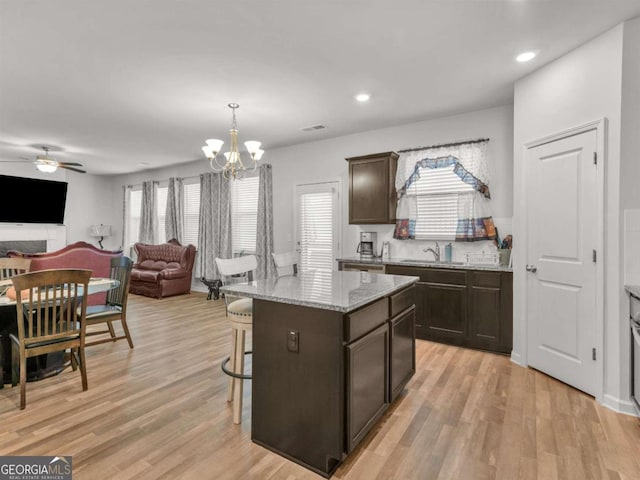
(531, 268)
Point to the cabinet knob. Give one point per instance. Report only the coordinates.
(531, 268)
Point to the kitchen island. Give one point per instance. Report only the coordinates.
(331, 352)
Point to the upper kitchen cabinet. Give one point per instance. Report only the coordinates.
(372, 191)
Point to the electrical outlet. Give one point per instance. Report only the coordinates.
(293, 341)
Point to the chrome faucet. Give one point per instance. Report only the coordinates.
(436, 252)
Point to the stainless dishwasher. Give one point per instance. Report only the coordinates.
(634, 323)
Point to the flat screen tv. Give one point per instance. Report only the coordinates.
(31, 200)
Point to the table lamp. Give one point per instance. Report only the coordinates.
(100, 231)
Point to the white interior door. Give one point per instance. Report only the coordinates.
(562, 233)
(317, 225)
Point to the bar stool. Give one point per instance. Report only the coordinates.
(240, 315)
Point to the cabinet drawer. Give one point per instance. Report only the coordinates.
(402, 300)
(486, 279)
(451, 277)
(366, 319)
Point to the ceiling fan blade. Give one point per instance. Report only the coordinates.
(72, 164)
(72, 168)
(13, 161)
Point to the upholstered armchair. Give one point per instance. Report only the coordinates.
(162, 270)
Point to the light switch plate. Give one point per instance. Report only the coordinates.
(293, 341)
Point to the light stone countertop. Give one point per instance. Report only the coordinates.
(337, 291)
(408, 262)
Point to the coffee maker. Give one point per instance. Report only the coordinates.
(367, 247)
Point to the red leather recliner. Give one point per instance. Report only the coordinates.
(162, 270)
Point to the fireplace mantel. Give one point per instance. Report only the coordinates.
(54, 235)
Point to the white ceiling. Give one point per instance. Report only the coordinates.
(117, 84)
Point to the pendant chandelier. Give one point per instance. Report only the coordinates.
(234, 166)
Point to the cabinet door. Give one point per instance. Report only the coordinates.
(445, 310)
(403, 351)
(371, 190)
(421, 310)
(367, 383)
(486, 314)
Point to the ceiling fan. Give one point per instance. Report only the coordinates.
(47, 164)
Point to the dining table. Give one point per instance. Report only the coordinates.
(42, 366)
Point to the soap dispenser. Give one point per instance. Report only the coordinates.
(385, 251)
(448, 249)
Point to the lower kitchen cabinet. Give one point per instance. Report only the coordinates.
(367, 383)
(403, 351)
(445, 309)
(469, 308)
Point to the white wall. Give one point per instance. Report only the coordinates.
(325, 160)
(630, 152)
(580, 87)
(89, 200)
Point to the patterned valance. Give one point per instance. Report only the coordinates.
(442, 162)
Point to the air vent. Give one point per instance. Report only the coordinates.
(313, 127)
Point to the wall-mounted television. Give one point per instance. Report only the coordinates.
(32, 200)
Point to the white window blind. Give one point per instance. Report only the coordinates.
(316, 229)
(191, 213)
(133, 215)
(244, 206)
(161, 210)
(437, 192)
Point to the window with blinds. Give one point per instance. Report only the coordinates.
(191, 203)
(244, 218)
(317, 226)
(161, 211)
(133, 216)
(437, 193)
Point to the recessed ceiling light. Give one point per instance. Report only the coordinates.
(525, 57)
(363, 97)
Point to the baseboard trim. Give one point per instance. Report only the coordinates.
(620, 406)
(517, 359)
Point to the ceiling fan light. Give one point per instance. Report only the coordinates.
(46, 167)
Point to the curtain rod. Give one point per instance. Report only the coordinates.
(443, 145)
(195, 177)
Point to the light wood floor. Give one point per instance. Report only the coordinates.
(160, 412)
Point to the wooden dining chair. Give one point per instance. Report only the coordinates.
(49, 319)
(10, 267)
(115, 307)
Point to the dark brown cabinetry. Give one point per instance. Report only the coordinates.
(402, 351)
(372, 192)
(470, 308)
(316, 403)
(367, 383)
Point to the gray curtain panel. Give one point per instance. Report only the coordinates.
(174, 219)
(148, 217)
(264, 230)
(125, 217)
(214, 234)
